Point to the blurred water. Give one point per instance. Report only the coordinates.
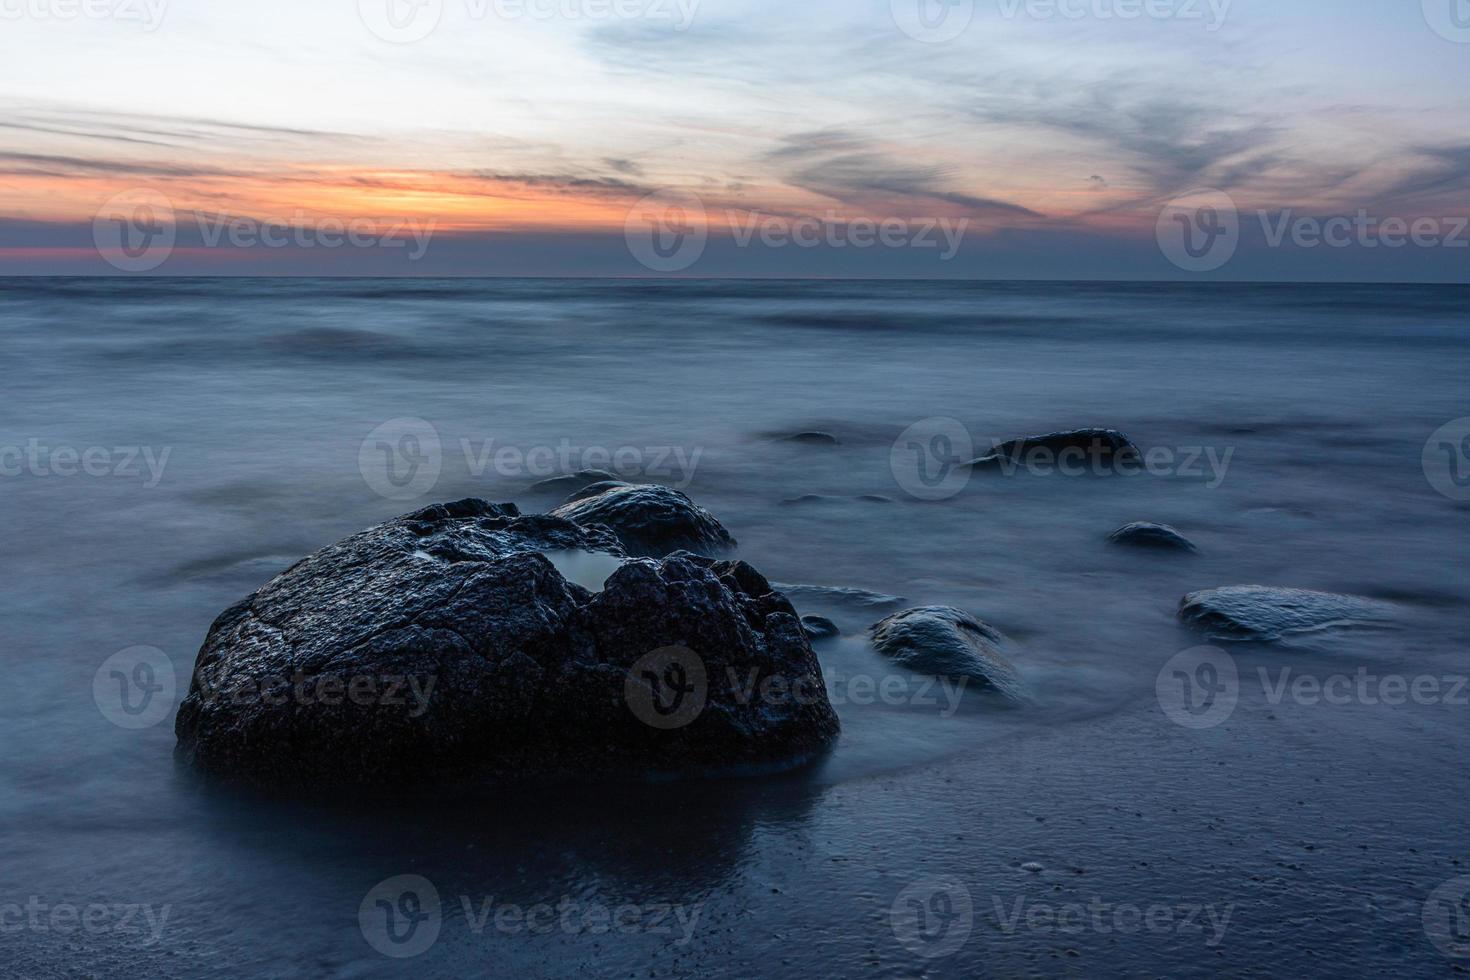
(243, 407)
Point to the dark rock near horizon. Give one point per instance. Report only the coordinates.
(1098, 444)
(809, 438)
(820, 627)
(822, 498)
(809, 498)
(1145, 534)
(1264, 614)
(499, 668)
(651, 521)
(945, 642)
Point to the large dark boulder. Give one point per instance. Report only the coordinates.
(651, 521)
(946, 642)
(443, 648)
(1259, 613)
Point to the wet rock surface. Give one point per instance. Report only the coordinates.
(1145, 534)
(820, 627)
(443, 647)
(1265, 614)
(945, 642)
(651, 521)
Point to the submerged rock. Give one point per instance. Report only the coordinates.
(809, 438)
(840, 595)
(822, 498)
(571, 482)
(820, 627)
(1263, 614)
(1102, 445)
(443, 647)
(1144, 534)
(946, 642)
(809, 498)
(651, 520)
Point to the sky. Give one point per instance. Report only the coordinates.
(1052, 139)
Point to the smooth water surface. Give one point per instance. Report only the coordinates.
(248, 420)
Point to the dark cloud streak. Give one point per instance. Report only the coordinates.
(846, 167)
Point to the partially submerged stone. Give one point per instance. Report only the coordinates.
(820, 627)
(1080, 446)
(945, 642)
(594, 490)
(1145, 534)
(839, 595)
(570, 482)
(1264, 614)
(809, 438)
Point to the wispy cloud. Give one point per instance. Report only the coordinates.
(33, 163)
(847, 167)
(1436, 171)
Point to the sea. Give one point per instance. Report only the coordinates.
(167, 446)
